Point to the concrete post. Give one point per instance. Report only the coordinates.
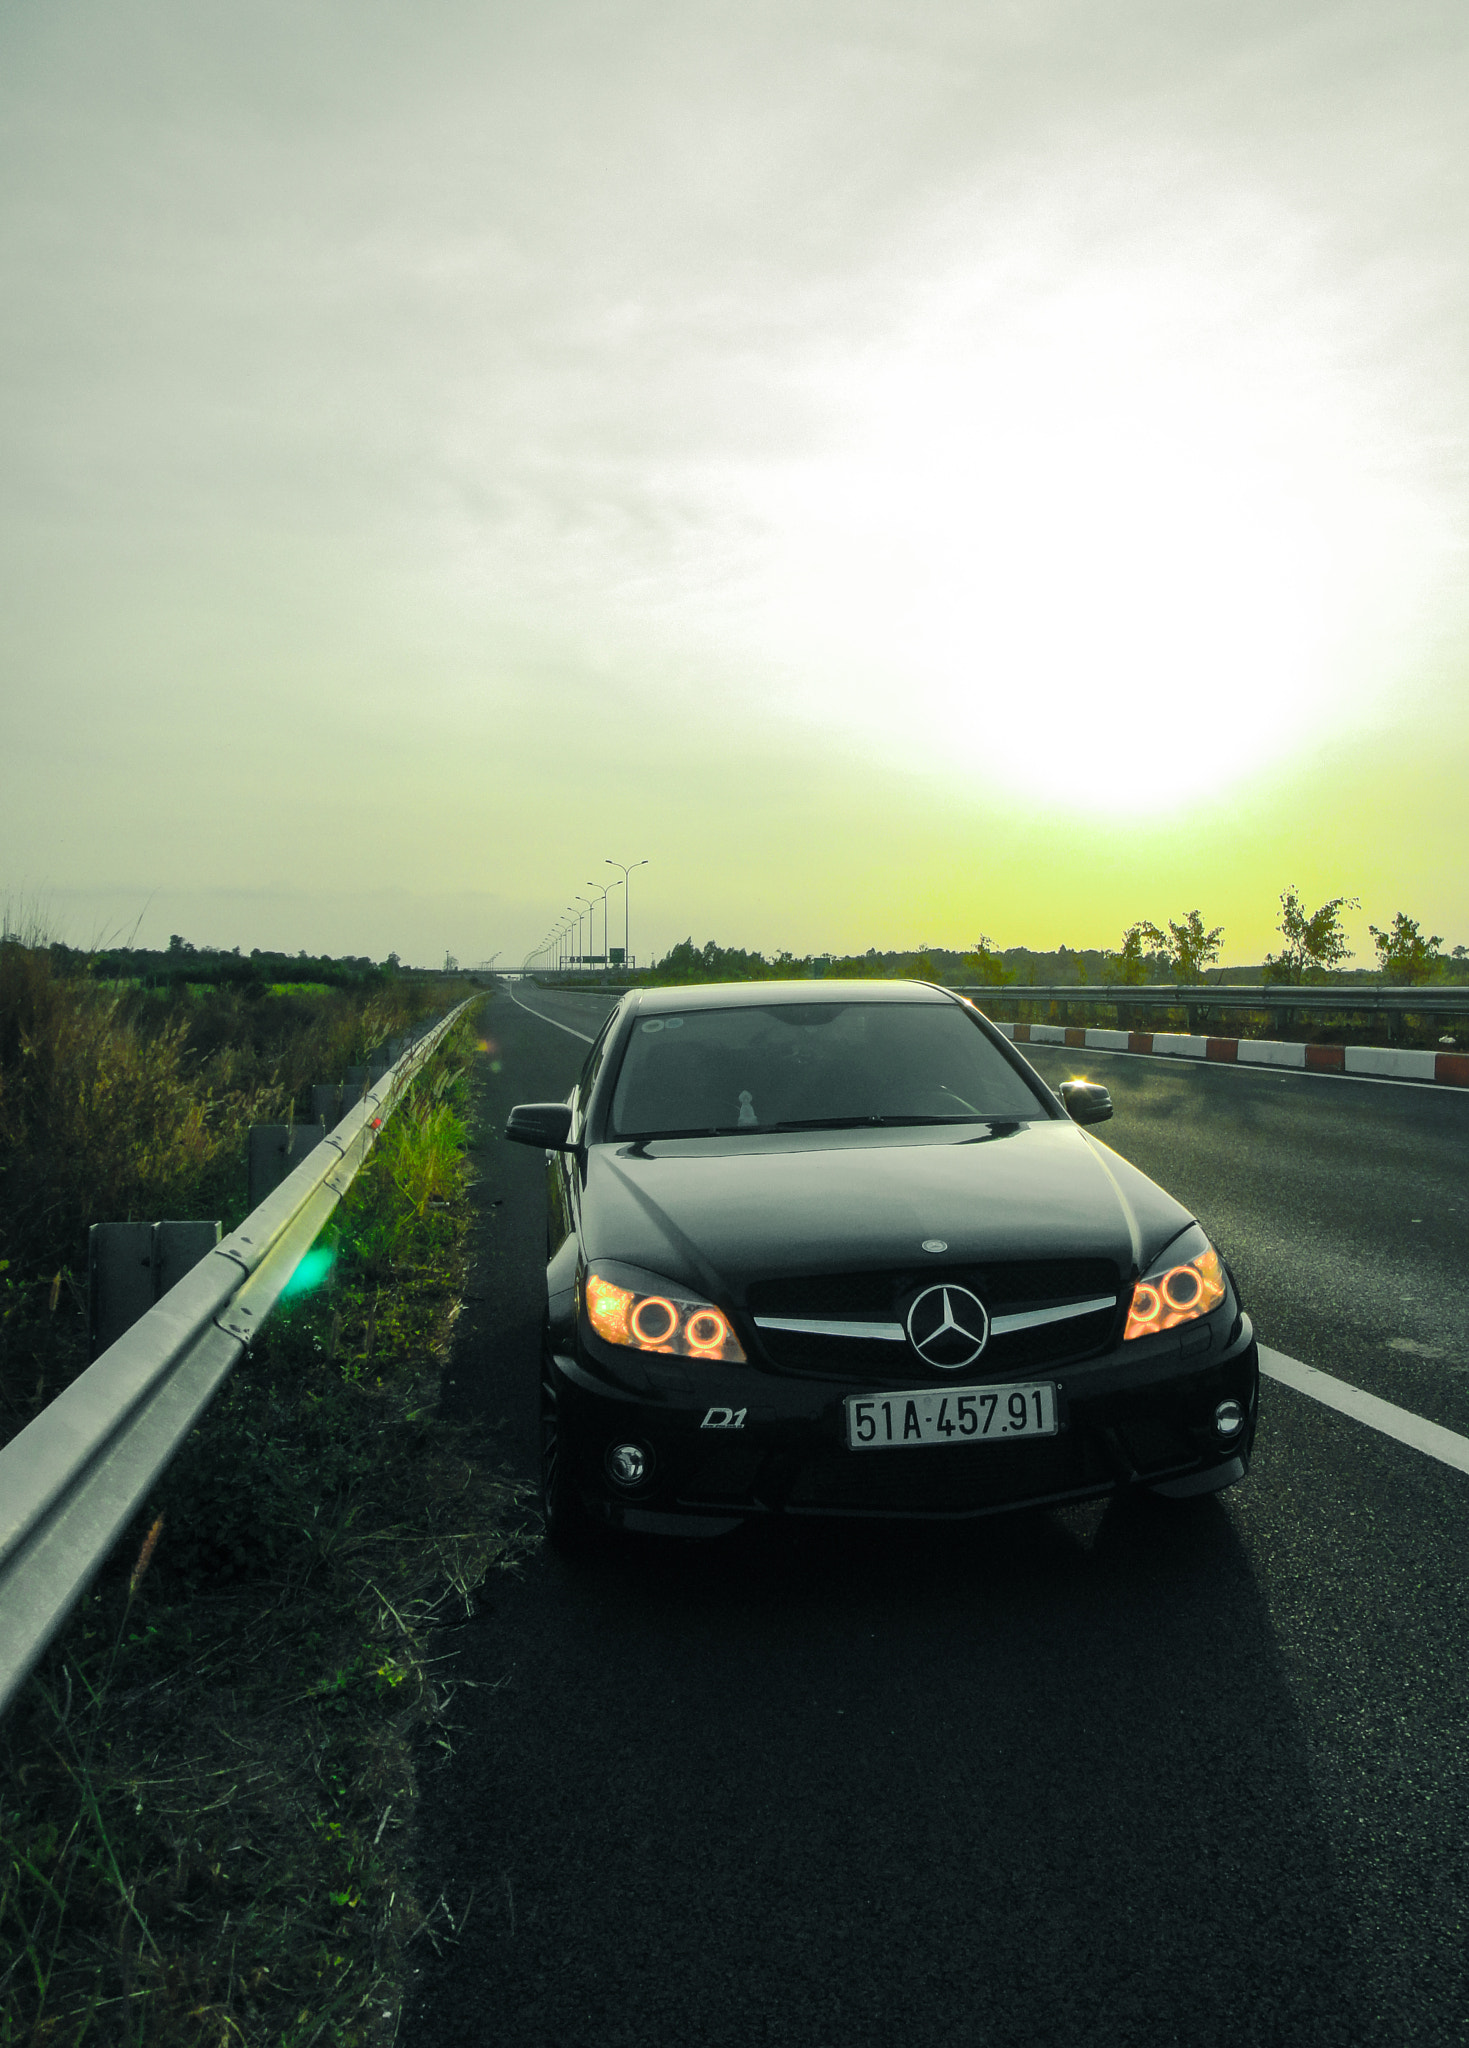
(132, 1265)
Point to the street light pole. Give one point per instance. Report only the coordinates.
(605, 893)
(626, 904)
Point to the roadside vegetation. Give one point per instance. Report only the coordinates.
(206, 1790)
(183, 964)
(120, 1103)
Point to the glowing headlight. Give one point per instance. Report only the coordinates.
(659, 1322)
(1178, 1293)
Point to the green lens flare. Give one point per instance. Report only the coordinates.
(312, 1270)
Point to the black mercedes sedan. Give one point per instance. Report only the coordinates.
(835, 1248)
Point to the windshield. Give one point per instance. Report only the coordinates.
(795, 1066)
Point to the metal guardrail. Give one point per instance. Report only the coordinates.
(1433, 999)
(73, 1479)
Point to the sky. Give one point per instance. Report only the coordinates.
(902, 469)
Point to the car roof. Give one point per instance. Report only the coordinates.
(725, 995)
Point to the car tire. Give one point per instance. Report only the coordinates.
(570, 1530)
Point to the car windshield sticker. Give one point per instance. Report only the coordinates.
(747, 1108)
(654, 1024)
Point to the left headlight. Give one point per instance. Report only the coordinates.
(659, 1319)
(1186, 1283)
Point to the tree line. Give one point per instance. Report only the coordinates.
(182, 962)
(1313, 948)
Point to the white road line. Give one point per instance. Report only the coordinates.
(584, 1036)
(1444, 1444)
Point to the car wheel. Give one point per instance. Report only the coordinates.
(570, 1530)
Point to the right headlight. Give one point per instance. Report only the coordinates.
(1183, 1285)
(654, 1319)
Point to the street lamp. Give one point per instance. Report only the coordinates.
(591, 939)
(604, 893)
(626, 904)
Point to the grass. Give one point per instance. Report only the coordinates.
(207, 1790)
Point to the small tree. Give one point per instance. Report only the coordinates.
(1403, 954)
(1192, 948)
(986, 965)
(1314, 944)
(1139, 944)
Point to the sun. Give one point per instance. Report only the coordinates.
(1113, 539)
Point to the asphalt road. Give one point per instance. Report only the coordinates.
(1108, 1775)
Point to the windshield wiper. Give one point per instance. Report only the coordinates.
(823, 1123)
(695, 1131)
(959, 1116)
(856, 1123)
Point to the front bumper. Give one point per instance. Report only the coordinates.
(726, 1444)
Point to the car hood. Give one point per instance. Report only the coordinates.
(720, 1213)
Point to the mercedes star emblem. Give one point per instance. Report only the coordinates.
(948, 1327)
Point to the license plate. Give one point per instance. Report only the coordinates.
(943, 1415)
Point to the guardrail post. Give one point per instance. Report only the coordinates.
(132, 1265)
(275, 1151)
(326, 1103)
(360, 1079)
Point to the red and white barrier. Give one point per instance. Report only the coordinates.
(1385, 1062)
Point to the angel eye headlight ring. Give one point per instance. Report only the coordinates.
(1147, 1303)
(1183, 1288)
(653, 1321)
(706, 1330)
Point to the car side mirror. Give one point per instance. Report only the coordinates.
(1086, 1102)
(547, 1124)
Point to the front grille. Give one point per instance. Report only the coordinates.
(1009, 1288)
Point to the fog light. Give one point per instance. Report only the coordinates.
(1229, 1418)
(629, 1464)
